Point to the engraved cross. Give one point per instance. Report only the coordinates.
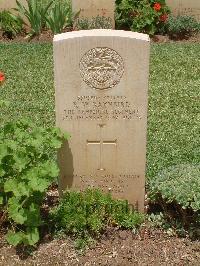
(101, 144)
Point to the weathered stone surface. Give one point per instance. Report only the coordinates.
(94, 8)
(185, 7)
(101, 80)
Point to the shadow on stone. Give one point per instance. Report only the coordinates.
(65, 161)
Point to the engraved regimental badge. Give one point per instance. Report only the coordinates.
(101, 68)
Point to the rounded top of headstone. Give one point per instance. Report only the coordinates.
(103, 33)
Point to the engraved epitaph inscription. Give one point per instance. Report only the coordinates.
(97, 108)
(101, 68)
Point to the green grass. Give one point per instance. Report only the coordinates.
(29, 82)
(173, 126)
(174, 104)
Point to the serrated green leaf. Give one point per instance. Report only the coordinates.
(36, 143)
(56, 143)
(15, 211)
(49, 170)
(21, 161)
(19, 189)
(38, 184)
(18, 216)
(10, 185)
(15, 238)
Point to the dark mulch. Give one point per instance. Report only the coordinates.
(195, 38)
(47, 36)
(116, 247)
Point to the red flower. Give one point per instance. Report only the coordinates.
(2, 77)
(157, 6)
(163, 17)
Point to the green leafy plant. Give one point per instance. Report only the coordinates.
(180, 183)
(148, 16)
(159, 220)
(125, 9)
(86, 214)
(182, 26)
(26, 172)
(93, 23)
(60, 16)
(178, 188)
(35, 13)
(10, 24)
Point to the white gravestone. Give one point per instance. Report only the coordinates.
(101, 81)
(185, 7)
(93, 8)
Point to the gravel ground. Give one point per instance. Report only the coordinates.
(116, 247)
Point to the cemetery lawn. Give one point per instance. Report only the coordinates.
(173, 139)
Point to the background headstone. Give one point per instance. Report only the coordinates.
(9, 4)
(94, 8)
(185, 7)
(101, 80)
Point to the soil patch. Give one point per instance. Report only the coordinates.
(47, 37)
(195, 38)
(116, 247)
